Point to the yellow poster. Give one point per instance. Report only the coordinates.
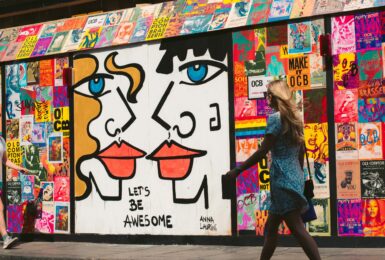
(14, 151)
(158, 28)
(298, 77)
(42, 111)
(27, 47)
(61, 119)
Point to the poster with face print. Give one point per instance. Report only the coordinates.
(152, 139)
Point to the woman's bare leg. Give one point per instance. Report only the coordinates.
(294, 222)
(271, 236)
(3, 229)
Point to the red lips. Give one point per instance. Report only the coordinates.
(174, 160)
(120, 159)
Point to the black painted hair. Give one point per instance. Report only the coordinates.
(216, 45)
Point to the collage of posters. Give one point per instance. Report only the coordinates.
(359, 115)
(162, 20)
(260, 56)
(37, 138)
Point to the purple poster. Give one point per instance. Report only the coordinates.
(247, 182)
(368, 31)
(15, 218)
(349, 218)
(60, 98)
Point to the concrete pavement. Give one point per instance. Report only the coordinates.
(78, 250)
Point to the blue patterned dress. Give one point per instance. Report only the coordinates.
(286, 175)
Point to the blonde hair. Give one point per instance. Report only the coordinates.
(282, 101)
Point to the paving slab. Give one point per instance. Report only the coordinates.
(105, 251)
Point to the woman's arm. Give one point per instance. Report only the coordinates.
(267, 144)
(11, 165)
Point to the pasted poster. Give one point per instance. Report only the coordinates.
(370, 136)
(302, 8)
(314, 104)
(371, 109)
(45, 224)
(328, 6)
(121, 135)
(245, 108)
(349, 215)
(320, 174)
(348, 179)
(259, 11)
(107, 36)
(373, 220)
(247, 204)
(248, 181)
(245, 147)
(62, 217)
(238, 14)
(345, 105)
(317, 71)
(27, 47)
(276, 66)
(345, 71)
(316, 140)
(346, 140)
(373, 179)
(343, 34)
(371, 88)
(370, 64)
(368, 31)
(321, 226)
(299, 72)
(280, 10)
(219, 19)
(299, 37)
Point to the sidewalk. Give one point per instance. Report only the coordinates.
(74, 250)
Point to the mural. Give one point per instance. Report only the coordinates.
(152, 139)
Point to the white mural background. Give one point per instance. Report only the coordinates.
(145, 196)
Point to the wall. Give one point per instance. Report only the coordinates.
(152, 138)
(290, 52)
(37, 137)
(359, 113)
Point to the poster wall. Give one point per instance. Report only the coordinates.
(289, 52)
(37, 138)
(152, 139)
(359, 117)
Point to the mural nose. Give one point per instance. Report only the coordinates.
(111, 128)
(187, 131)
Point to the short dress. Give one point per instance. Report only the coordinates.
(286, 174)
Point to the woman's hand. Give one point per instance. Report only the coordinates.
(24, 170)
(233, 173)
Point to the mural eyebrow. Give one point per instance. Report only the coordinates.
(89, 65)
(214, 44)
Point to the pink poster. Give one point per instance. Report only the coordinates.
(343, 34)
(346, 105)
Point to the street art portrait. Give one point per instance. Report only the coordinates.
(152, 138)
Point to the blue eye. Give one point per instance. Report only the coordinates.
(197, 73)
(201, 71)
(96, 86)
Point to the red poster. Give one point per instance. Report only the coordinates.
(47, 73)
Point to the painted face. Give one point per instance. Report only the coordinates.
(111, 84)
(190, 111)
(372, 208)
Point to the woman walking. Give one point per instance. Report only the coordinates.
(284, 137)
(8, 241)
